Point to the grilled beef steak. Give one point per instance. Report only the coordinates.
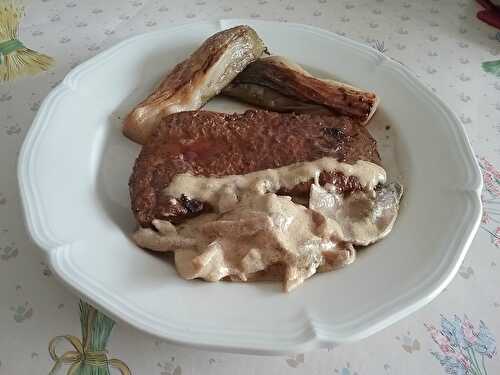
(219, 144)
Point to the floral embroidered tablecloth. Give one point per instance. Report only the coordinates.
(440, 40)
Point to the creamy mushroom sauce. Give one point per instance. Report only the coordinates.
(253, 233)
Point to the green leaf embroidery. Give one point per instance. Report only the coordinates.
(492, 67)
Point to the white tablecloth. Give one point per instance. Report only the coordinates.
(441, 41)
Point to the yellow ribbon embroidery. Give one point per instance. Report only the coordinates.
(82, 355)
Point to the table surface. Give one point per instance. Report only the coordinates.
(440, 40)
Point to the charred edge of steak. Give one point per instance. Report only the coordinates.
(192, 205)
(343, 185)
(334, 132)
(176, 210)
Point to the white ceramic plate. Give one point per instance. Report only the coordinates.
(75, 164)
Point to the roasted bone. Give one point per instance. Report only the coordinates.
(195, 80)
(279, 85)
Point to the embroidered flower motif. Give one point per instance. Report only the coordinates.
(463, 349)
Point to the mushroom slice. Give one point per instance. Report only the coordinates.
(161, 241)
(362, 217)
